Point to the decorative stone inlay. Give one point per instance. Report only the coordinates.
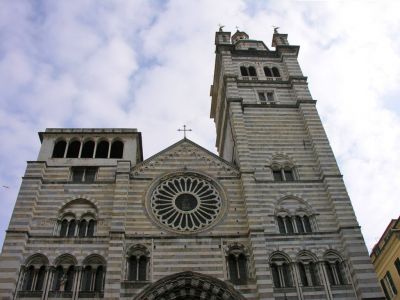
(186, 149)
(186, 202)
(189, 285)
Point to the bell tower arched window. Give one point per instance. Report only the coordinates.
(275, 72)
(244, 71)
(271, 72)
(248, 71)
(267, 72)
(252, 71)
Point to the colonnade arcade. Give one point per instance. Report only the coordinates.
(65, 278)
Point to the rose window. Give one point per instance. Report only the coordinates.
(186, 203)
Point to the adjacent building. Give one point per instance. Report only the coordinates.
(267, 218)
(385, 257)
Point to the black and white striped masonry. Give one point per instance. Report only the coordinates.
(269, 218)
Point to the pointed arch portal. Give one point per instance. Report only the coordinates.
(189, 286)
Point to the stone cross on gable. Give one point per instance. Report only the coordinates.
(184, 131)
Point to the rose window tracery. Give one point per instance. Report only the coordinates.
(186, 203)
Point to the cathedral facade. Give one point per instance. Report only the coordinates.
(269, 218)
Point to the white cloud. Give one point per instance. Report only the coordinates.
(149, 65)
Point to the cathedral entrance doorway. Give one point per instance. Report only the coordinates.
(189, 286)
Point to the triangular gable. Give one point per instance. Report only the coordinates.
(188, 146)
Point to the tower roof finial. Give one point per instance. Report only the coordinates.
(275, 28)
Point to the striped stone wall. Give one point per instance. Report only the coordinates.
(288, 127)
(253, 136)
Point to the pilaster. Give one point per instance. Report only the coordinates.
(11, 261)
(319, 140)
(117, 232)
(27, 197)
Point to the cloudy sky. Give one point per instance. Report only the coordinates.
(149, 65)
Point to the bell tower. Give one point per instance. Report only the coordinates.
(296, 202)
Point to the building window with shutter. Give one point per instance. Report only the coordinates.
(397, 264)
(388, 286)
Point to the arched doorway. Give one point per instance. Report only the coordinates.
(189, 286)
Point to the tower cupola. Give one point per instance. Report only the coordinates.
(239, 35)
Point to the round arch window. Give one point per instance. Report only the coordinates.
(186, 203)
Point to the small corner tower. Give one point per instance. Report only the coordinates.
(239, 35)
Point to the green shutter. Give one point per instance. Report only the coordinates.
(389, 276)
(397, 264)
(384, 289)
